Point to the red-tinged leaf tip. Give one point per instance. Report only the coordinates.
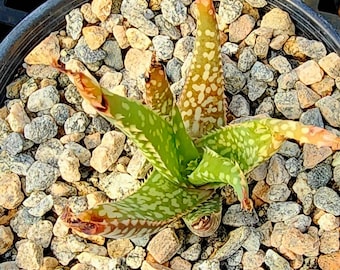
(246, 202)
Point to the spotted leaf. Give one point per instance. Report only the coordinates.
(156, 204)
(202, 102)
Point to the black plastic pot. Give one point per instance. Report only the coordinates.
(50, 17)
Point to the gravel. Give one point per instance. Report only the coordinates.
(56, 151)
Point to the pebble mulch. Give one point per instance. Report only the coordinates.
(56, 151)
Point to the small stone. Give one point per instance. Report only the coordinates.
(183, 47)
(279, 21)
(307, 97)
(287, 80)
(41, 233)
(288, 104)
(30, 255)
(153, 266)
(312, 117)
(275, 262)
(266, 107)
(74, 23)
(301, 48)
(13, 88)
(76, 123)
(192, 253)
(329, 261)
(173, 69)
(94, 36)
(277, 173)
(328, 222)
(38, 72)
(234, 242)
(10, 265)
(327, 200)
(68, 164)
(101, 8)
(92, 141)
(6, 239)
(261, 46)
(61, 112)
(252, 260)
(278, 192)
(43, 99)
(281, 64)
(34, 198)
(281, 211)
(22, 222)
(40, 176)
(119, 248)
(72, 96)
(230, 49)
(98, 124)
(260, 172)
(330, 110)
(211, 264)
(279, 230)
(253, 242)
(261, 72)
(278, 41)
(239, 106)
(86, 55)
(240, 28)
(42, 207)
(119, 33)
(61, 189)
(138, 165)
(164, 47)
(166, 28)
(60, 229)
(49, 152)
(236, 217)
(137, 39)
(246, 59)
(135, 257)
(329, 242)
(134, 65)
(309, 72)
(17, 117)
(228, 12)
(313, 155)
(41, 129)
(174, 11)
(261, 191)
(290, 149)
(164, 245)
(108, 151)
(49, 263)
(13, 144)
(10, 190)
(257, 3)
(319, 176)
(324, 87)
(234, 79)
(331, 65)
(88, 14)
(300, 222)
(61, 250)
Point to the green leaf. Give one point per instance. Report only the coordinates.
(157, 203)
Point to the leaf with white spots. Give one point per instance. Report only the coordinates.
(156, 204)
(202, 102)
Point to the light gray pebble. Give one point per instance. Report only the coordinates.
(278, 192)
(42, 207)
(80, 152)
(281, 64)
(235, 241)
(61, 112)
(136, 17)
(22, 221)
(135, 257)
(40, 176)
(287, 80)
(277, 172)
(183, 47)
(281, 211)
(253, 242)
(30, 255)
(319, 176)
(49, 152)
(41, 129)
(236, 217)
(290, 149)
(192, 253)
(20, 163)
(34, 198)
(72, 95)
(330, 110)
(257, 3)
(114, 56)
(246, 59)
(164, 47)
(288, 104)
(213, 264)
(276, 262)
(13, 144)
(166, 28)
(43, 99)
(267, 106)
(75, 243)
(300, 222)
(174, 11)
(78, 204)
(328, 200)
(41, 233)
(98, 124)
(256, 89)
(173, 69)
(261, 72)
(235, 259)
(239, 106)
(229, 48)
(312, 117)
(76, 123)
(61, 251)
(234, 79)
(86, 55)
(229, 11)
(74, 23)
(141, 241)
(293, 166)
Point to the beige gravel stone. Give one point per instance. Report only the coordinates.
(329, 261)
(88, 14)
(17, 118)
(240, 29)
(278, 20)
(138, 39)
(252, 260)
(307, 97)
(6, 239)
(153, 266)
(69, 166)
(30, 255)
(119, 32)
(331, 64)
(134, 65)
(309, 72)
(10, 190)
(328, 222)
(101, 8)
(95, 36)
(329, 241)
(118, 248)
(178, 263)
(278, 41)
(324, 87)
(49, 263)
(312, 155)
(92, 140)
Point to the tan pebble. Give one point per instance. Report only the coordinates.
(119, 32)
(239, 29)
(307, 97)
(11, 194)
(6, 239)
(329, 241)
(278, 41)
(3, 113)
(261, 190)
(137, 39)
(49, 263)
(82, 266)
(309, 72)
(101, 8)
(329, 261)
(261, 46)
(252, 260)
(47, 82)
(92, 141)
(178, 263)
(88, 108)
(324, 87)
(88, 14)
(312, 155)
(155, 4)
(331, 64)
(279, 21)
(95, 198)
(119, 248)
(95, 36)
(134, 65)
(328, 222)
(109, 80)
(279, 230)
(17, 118)
(73, 137)
(67, 42)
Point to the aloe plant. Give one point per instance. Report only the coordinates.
(192, 150)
